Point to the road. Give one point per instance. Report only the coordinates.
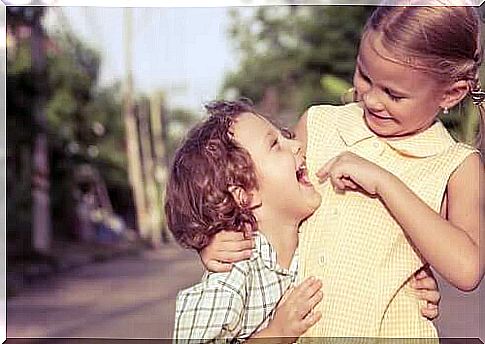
(133, 297)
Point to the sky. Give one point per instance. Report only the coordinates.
(183, 51)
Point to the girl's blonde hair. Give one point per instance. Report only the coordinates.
(442, 40)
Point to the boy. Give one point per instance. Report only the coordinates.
(237, 171)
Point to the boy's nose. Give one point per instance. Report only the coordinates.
(296, 147)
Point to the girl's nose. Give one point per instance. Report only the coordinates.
(372, 101)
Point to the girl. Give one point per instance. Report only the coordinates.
(412, 63)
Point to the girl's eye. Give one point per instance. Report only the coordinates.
(363, 76)
(274, 143)
(393, 96)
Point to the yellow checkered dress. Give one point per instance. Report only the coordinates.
(353, 244)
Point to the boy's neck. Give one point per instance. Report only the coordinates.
(283, 237)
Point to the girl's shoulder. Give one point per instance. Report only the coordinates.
(330, 116)
(351, 109)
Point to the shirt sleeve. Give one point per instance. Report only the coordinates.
(210, 311)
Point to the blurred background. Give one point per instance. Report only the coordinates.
(98, 99)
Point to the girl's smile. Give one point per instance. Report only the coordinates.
(398, 100)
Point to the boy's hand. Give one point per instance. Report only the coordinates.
(294, 314)
(349, 171)
(226, 247)
(426, 288)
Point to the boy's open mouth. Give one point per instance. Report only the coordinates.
(302, 175)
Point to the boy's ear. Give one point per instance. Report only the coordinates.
(455, 93)
(242, 198)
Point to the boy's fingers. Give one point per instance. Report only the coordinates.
(217, 266)
(423, 273)
(315, 299)
(308, 290)
(430, 313)
(307, 283)
(425, 283)
(431, 296)
(311, 319)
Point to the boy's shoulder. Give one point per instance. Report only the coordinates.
(234, 281)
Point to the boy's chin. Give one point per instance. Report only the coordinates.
(312, 204)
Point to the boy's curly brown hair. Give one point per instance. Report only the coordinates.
(210, 161)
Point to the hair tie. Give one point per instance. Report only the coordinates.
(478, 96)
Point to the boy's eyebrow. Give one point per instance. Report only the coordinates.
(269, 135)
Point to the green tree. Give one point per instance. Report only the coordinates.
(84, 124)
(306, 55)
(291, 48)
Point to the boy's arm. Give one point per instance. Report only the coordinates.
(208, 311)
(450, 246)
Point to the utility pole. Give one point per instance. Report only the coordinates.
(153, 205)
(159, 136)
(131, 130)
(41, 217)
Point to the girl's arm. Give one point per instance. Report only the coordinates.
(450, 245)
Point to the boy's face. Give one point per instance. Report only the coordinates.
(284, 187)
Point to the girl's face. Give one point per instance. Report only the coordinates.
(397, 99)
(284, 188)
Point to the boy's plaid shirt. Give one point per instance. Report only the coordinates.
(229, 307)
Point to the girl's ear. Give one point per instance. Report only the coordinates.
(242, 198)
(454, 94)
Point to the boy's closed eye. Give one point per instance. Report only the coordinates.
(287, 133)
(274, 143)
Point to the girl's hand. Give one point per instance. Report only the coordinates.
(426, 288)
(350, 171)
(294, 313)
(226, 247)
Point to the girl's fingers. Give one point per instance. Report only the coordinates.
(224, 236)
(237, 246)
(349, 184)
(337, 182)
(232, 256)
(323, 172)
(216, 266)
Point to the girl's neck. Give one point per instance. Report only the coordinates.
(283, 236)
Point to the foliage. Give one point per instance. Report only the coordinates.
(291, 48)
(307, 54)
(84, 124)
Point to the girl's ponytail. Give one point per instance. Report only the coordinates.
(478, 99)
